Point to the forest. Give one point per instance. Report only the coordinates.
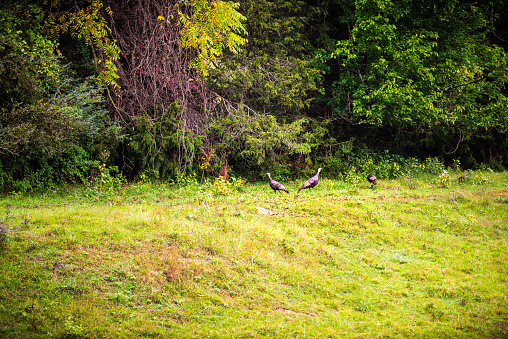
(167, 89)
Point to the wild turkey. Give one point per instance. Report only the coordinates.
(276, 186)
(372, 179)
(312, 182)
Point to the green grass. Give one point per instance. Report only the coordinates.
(412, 258)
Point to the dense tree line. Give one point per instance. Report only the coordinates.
(162, 88)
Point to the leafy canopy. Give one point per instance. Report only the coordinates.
(89, 24)
(421, 66)
(212, 25)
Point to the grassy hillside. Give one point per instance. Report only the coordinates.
(413, 258)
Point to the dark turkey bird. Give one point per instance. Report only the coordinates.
(312, 182)
(276, 186)
(372, 179)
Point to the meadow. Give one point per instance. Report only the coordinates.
(415, 257)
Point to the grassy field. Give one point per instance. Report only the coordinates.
(412, 258)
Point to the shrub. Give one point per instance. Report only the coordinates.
(384, 165)
(153, 144)
(104, 182)
(352, 177)
(52, 123)
(187, 179)
(480, 178)
(444, 179)
(456, 167)
(221, 186)
(432, 166)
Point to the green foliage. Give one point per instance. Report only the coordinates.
(51, 124)
(273, 73)
(401, 78)
(221, 186)
(278, 27)
(432, 166)
(189, 179)
(238, 183)
(280, 85)
(456, 165)
(209, 188)
(212, 25)
(54, 141)
(480, 178)
(153, 142)
(353, 178)
(70, 116)
(353, 161)
(105, 181)
(89, 25)
(444, 179)
(36, 172)
(287, 247)
(420, 82)
(261, 140)
(74, 330)
(405, 68)
(28, 63)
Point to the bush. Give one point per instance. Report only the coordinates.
(105, 182)
(36, 172)
(155, 143)
(385, 165)
(221, 186)
(432, 166)
(444, 179)
(52, 124)
(353, 177)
